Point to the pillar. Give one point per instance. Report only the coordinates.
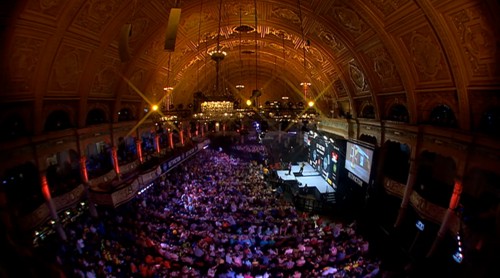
(83, 169)
(224, 129)
(139, 150)
(410, 182)
(203, 130)
(157, 143)
(85, 181)
(52, 208)
(171, 139)
(279, 132)
(455, 198)
(181, 136)
(116, 166)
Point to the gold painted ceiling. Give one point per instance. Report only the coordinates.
(418, 53)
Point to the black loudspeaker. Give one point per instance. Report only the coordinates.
(173, 24)
(123, 48)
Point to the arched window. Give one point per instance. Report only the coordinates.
(125, 115)
(57, 120)
(398, 113)
(490, 122)
(368, 112)
(96, 116)
(442, 115)
(13, 127)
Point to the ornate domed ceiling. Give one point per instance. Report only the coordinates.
(359, 53)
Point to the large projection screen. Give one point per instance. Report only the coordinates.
(359, 161)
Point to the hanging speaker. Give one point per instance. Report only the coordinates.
(173, 24)
(123, 48)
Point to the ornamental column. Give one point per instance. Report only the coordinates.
(455, 198)
(52, 208)
(410, 182)
(114, 154)
(139, 149)
(171, 139)
(157, 143)
(85, 181)
(181, 135)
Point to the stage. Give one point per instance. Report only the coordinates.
(309, 176)
(315, 181)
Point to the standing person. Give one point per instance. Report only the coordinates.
(289, 167)
(302, 167)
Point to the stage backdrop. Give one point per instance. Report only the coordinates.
(327, 156)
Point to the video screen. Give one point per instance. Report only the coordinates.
(359, 161)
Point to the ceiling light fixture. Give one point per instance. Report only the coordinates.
(217, 106)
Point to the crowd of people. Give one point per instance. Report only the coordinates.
(213, 216)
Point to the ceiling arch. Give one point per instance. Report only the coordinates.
(415, 53)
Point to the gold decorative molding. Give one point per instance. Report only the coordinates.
(426, 209)
(474, 30)
(95, 14)
(389, 7)
(394, 188)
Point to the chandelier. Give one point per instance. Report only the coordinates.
(218, 105)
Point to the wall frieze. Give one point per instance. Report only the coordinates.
(394, 188)
(426, 209)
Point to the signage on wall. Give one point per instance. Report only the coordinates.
(357, 180)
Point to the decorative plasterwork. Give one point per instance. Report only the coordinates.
(427, 209)
(286, 14)
(281, 34)
(455, 147)
(51, 8)
(95, 14)
(426, 101)
(327, 37)
(478, 41)
(339, 88)
(157, 87)
(137, 81)
(388, 7)
(233, 8)
(154, 49)
(426, 54)
(140, 29)
(384, 67)
(68, 66)
(349, 20)
(106, 79)
(358, 78)
(394, 188)
(23, 62)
